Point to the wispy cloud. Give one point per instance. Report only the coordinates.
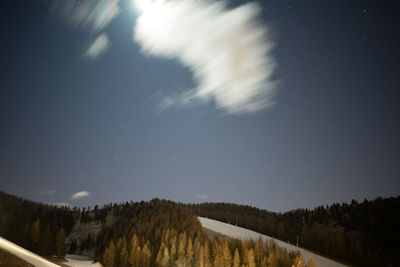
(46, 192)
(203, 196)
(228, 51)
(80, 194)
(98, 47)
(93, 15)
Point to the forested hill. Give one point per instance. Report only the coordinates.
(155, 233)
(363, 234)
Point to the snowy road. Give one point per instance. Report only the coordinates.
(242, 233)
(78, 261)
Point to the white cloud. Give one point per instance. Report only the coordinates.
(80, 194)
(46, 192)
(91, 14)
(98, 47)
(202, 196)
(61, 204)
(228, 51)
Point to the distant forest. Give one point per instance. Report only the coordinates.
(154, 233)
(362, 234)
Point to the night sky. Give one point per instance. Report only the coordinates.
(79, 118)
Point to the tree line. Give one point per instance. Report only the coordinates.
(362, 234)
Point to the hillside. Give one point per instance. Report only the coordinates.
(363, 234)
(242, 233)
(154, 233)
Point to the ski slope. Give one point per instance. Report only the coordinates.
(24, 254)
(242, 233)
(79, 261)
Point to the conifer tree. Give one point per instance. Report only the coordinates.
(298, 262)
(160, 253)
(251, 258)
(189, 250)
(133, 244)
(181, 246)
(264, 262)
(311, 263)
(109, 255)
(272, 260)
(123, 253)
(165, 258)
(60, 243)
(207, 258)
(146, 255)
(138, 256)
(245, 261)
(46, 242)
(227, 256)
(201, 257)
(236, 259)
(259, 251)
(173, 253)
(35, 234)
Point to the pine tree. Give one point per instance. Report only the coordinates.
(259, 250)
(138, 256)
(173, 253)
(182, 246)
(245, 261)
(146, 255)
(123, 254)
(207, 258)
(218, 254)
(272, 260)
(227, 256)
(109, 255)
(46, 242)
(189, 250)
(251, 258)
(236, 259)
(60, 243)
(264, 262)
(201, 257)
(165, 258)
(35, 234)
(311, 263)
(298, 262)
(133, 244)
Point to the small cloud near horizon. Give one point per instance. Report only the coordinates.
(80, 194)
(46, 192)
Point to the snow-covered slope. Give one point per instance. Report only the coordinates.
(79, 261)
(242, 233)
(24, 254)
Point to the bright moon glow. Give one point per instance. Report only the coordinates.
(155, 17)
(142, 5)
